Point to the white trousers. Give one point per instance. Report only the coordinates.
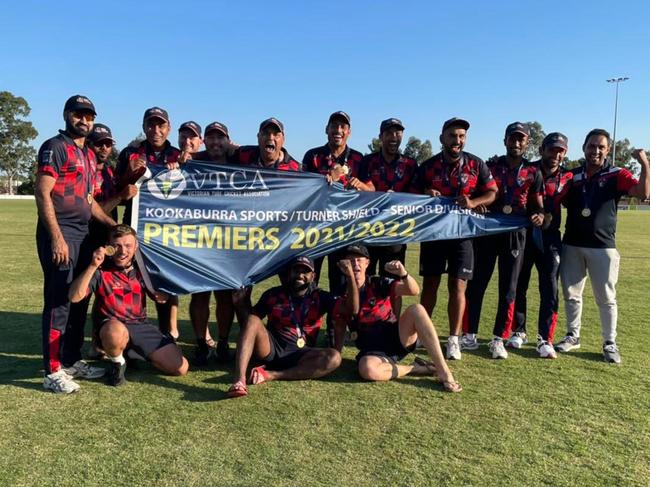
(602, 265)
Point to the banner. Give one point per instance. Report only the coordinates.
(208, 226)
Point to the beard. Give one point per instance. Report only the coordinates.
(76, 131)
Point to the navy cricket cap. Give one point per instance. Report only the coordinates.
(517, 128)
(192, 126)
(78, 103)
(303, 260)
(216, 127)
(155, 112)
(390, 122)
(340, 115)
(455, 122)
(272, 121)
(360, 250)
(556, 139)
(100, 132)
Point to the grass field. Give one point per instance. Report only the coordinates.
(523, 421)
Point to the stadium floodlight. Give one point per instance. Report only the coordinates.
(616, 81)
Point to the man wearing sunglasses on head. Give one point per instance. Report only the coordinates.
(65, 203)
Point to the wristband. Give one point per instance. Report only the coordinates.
(403, 278)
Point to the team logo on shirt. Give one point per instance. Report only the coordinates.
(167, 185)
(47, 156)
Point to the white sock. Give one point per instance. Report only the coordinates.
(452, 339)
(119, 359)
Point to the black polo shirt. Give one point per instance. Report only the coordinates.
(599, 194)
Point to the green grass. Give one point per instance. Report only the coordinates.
(523, 421)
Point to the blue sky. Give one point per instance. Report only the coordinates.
(423, 62)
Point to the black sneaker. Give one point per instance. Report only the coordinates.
(223, 351)
(116, 373)
(201, 356)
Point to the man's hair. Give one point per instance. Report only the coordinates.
(121, 230)
(602, 132)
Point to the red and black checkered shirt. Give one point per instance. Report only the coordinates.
(375, 306)
(470, 176)
(290, 317)
(320, 160)
(249, 155)
(396, 175)
(155, 160)
(515, 185)
(554, 186)
(104, 184)
(120, 294)
(74, 170)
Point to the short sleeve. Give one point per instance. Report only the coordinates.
(625, 181)
(52, 157)
(261, 308)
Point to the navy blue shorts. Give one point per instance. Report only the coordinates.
(284, 354)
(382, 340)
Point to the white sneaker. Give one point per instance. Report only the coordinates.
(497, 348)
(60, 383)
(453, 349)
(546, 350)
(469, 342)
(517, 340)
(81, 370)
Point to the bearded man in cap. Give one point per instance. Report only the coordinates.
(520, 194)
(65, 204)
(286, 345)
(547, 258)
(269, 153)
(457, 174)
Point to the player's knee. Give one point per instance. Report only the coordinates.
(416, 311)
(333, 359)
(183, 368)
(113, 333)
(369, 370)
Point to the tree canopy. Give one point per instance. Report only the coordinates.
(17, 156)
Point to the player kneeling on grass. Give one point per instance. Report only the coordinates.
(120, 293)
(286, 346)
(382, 339)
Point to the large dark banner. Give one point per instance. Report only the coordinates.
(211, 226)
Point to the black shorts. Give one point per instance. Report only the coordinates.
(455, 257)
(284, 355)
(382, 340)
(145, 338)
(379, 256)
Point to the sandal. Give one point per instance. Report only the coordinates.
(259, 375)
(424, 367)
(238, 389)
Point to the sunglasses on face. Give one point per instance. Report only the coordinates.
(85, 115)
(103, 143)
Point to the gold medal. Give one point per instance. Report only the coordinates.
(586, 212)
(507, 209)
(353, 336)
(109, 250)
(300, 343)
(90, 198)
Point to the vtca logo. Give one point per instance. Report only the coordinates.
(167, 185)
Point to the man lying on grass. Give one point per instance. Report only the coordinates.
(121, 300)
(286, 346)
(382, 339)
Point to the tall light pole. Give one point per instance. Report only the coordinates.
(616, 81)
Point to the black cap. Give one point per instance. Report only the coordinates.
(216, 126)
(272, 121)
(304, 261)
(390, 122)
(360, 250)
(556, 139)
(455, 122)
(155, 112)
(340, 115)
(518, 128)
(191, 125)
(100, 132)
(79, 102)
